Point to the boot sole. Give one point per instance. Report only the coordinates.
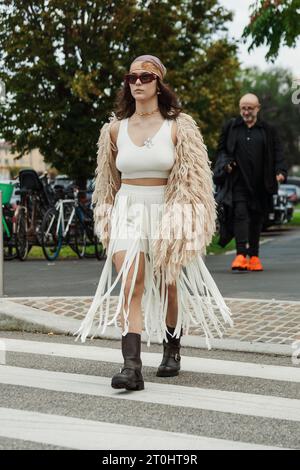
(167, 373)
(239, 269)
(138, 386)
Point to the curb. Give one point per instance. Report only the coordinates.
(14, 316)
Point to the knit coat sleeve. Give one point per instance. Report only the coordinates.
(189, 193)
(107, 183)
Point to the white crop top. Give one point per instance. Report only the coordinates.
(153, 160)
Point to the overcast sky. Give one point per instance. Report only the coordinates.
(288, 58)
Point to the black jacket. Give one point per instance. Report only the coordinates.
(274, 163)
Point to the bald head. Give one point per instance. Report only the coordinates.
(249, 99)
(249, 107)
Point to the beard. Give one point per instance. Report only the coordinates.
(248, 118)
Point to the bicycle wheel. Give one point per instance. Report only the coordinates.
(9, 252)
(94, 247)
(91, 247)
(80, 238)
(90, 250)
(99, 249)
(22, 244)
(51, 235)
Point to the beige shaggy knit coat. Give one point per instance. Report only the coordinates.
(189, 183)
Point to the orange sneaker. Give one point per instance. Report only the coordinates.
(255, 264)
(240, 263)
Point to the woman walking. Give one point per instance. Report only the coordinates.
(154, 212)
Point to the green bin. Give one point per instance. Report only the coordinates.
(7, 190)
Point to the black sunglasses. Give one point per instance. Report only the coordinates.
(144, 77)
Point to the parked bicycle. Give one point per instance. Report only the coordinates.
(36, 198)
(93, 247)
(69, 223)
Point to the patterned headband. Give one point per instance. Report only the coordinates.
(149, 63)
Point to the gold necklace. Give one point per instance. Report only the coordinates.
(148, 142)
(147, 114)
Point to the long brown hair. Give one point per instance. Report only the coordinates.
(168, 101)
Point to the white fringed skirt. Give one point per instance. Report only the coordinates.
(134, 221)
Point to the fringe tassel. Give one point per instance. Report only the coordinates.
(199, 299)
(202, 299)
(155, 298)
(190, 182)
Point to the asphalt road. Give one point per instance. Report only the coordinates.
(280, 280)
(60, 396)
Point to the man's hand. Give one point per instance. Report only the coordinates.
(280, 177)
(230, 167)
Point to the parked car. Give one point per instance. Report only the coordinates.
(289, 205)
(282, 210)
(90, 186)
(63, 181)
(292, 191)
(293, 180)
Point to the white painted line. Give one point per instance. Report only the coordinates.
(85, 434)
(228, 344)
(190, 364)
(263, 301)
(50, 298)
(171, 395)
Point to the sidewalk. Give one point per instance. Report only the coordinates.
(262, 326)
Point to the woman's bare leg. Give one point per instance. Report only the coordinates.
(135, 309)
(130, 377)
(172, 311)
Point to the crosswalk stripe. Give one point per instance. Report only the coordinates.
(190, 364)
(175, 395)
(79, 433)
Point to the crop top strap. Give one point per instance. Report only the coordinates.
(122, 135)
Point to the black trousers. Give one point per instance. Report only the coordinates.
(247, 225)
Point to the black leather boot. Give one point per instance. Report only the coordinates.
(130, 376)
(170, 365)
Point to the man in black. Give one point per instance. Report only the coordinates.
(249, 166)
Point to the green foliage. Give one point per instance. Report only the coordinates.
(274, 22)
(296, 216)
(216, 249)
(274, 89)
(63, 62)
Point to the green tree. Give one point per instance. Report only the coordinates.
(63, 62)
(274, 89)
(274, 23)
